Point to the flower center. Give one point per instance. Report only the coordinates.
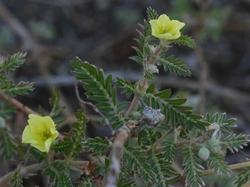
(164, 28)
(46, 134)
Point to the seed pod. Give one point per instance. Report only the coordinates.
(204, 153)
(152, 116)
(215, 145)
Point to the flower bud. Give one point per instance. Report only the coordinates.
(151, 68)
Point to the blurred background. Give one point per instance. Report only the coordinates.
(102, 31)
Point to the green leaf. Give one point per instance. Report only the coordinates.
(186, 41)
(234, 142)
(86, 182)
(242, 178)
(125, 182)
(142, 49)
(156, 167)
(56, 112)
(216, 161)
(97, 145)
(12, 89)
(12, 62)
(161, 169)
(222, 120)
(147, 137)
(7, 145)
(175, 65)
(72, 145)
(7, 86)
(151, 13)
(127, 87)
(169, 150)
(134, 162)
(58, 173)
(192, 168)
(64, 146)
(174, 110)
(99, 90)
(16, 179)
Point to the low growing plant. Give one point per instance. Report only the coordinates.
(157, 140)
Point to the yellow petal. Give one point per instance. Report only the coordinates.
(154, 26)
(48, 121)
(163, 19)
(177, 25)
(166, 29)
(48, 143)
(40, 147)
(36, 123)
(27, 135)
(40, 132)
(166, 36)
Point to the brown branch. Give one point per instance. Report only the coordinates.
(16, 104)
(117, 152)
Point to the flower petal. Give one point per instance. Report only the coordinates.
(36, 123)
(166, 29)
(27, 135)
(48, 143)
(40, 147)
(40, 132)
(163, 19)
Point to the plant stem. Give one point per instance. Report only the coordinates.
(117, 152)
(143, 83)
(124, 132)
(16, 104)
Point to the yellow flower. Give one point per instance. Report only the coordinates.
(40, 132)
(166, 29)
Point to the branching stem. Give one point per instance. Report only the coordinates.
(124, 132)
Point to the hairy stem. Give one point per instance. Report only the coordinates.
(16, 104)
(143, 83)
(117, 151)
(124, 132)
